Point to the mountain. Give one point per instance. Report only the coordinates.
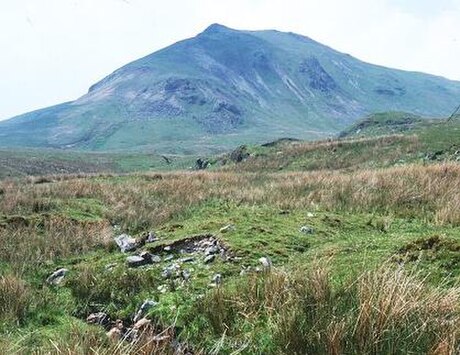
(226, 87)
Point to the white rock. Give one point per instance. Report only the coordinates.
(266, 262)
(126, 243)
(227, 228)
(56, 277)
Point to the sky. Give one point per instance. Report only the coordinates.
(52, 51)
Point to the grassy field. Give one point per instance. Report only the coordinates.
(361, 238)
(39, 162)
(323, 282)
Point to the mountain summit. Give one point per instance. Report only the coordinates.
(225, 87)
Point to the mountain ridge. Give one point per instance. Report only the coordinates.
(225, 87)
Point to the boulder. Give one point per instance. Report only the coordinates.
(212, 250)
(209, 259)
(306, 230)
(151, 238)
(126, 243)
(185, 274)
(150, 258)
(187, 260)
(57, 277)
(136, 261)
(266, 262)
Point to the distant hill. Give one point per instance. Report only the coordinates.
(226, 87)
(377, 141)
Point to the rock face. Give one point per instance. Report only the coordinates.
(224, 88)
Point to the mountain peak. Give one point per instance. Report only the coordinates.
(228, 87)
(216, 27)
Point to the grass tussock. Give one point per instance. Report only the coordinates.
(15, 300)
(382, 312)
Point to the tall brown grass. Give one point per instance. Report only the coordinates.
(15, 299)
(383, 312)
(141, 202)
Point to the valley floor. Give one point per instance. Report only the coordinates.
(330, 261)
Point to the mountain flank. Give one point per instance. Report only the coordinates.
(226, 87)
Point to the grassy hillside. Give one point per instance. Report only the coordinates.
(347, 246)
(378, 141)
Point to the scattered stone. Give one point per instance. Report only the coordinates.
(155, 259)
(166, 274)
(209, 259)
(99, 318)
(266, 262)
(310, 215)
(216, 280)
(145, 307)
(212, 250)
(126, 243)
(227, 228)
(146, 256)
(187, 260)
(171, 271)
(167, 248)
(162, 288)
(136, 261)
(57, 277)
(168, 258)
(151, 238)
(186, 274)
(306, 230)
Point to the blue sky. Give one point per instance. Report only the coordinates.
(53, 50)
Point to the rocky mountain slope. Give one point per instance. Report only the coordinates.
(226, 87)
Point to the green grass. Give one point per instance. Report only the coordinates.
(366, 206)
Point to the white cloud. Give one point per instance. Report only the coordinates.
(53, 50)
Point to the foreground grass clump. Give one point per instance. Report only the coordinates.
(15, 299)
(303, 312)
